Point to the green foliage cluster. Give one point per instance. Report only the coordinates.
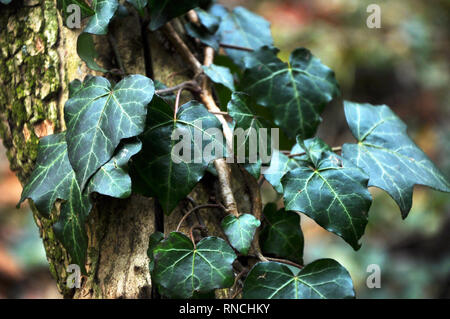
(118, 140)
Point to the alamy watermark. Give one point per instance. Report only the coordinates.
(73, 20)
(374, 279)
(200, 145)
(74, 279)
(374, 19)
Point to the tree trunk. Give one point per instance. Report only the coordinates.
(39, 59)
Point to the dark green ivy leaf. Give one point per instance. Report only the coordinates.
(139, 5)
(104, 11)
(387, 154)
(86, 51)
(70, 229)
(218, 10)
(112, 179)
(208, 20)
(170, 181)
(295, 92)
(206, 31)
(98, 116)
(220, 74)
(52, 179)
(140, 182)
(153, 242)
(282, 235)
(162, 11)
(254, 169)
(182, 269)
(245, 29)
(240, 231)
(202, 34)
(322, 279)
(280, 164)
(122, 11)
(331, 190)
(74, 86)
(240, 110)
(52, 176)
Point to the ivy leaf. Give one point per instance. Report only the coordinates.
(104, 11)
(385, 152)
(85, 9)
(331, 190)
(246, 29)
(220, 74)
(155, 165)
(282, 235)
(280, 164)
(251, 124)
(254, 169)
(162, 11)
(70, 229)
(53, 178)
(98, 116)
(140, 183)
(5, 2)
(112, 178)
(153, 242)
(74, 86)
(139, 5)
(208, 20)
(182, 269)
(86, 51)
(295, 92)
(322, 279)
(203, 35)
(240, 231)
(218, 10)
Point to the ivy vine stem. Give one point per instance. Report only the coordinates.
(284, 261)
(207, 99)
(190, 85)
(197, 208)
(115, 48)
(191, 234)
(218, 113)
(263, 258)
(255, 197)
(193, 17)
(221, 165)
(177, 103)
(182, 48)
(235, 47)
(236, 282)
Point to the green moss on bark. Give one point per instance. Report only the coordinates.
(29, 79)
(29, 88)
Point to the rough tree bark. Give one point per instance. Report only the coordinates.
(38, 61)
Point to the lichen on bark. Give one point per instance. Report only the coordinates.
(29, 81)
(29, 87)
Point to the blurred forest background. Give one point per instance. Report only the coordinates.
(405, 64)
